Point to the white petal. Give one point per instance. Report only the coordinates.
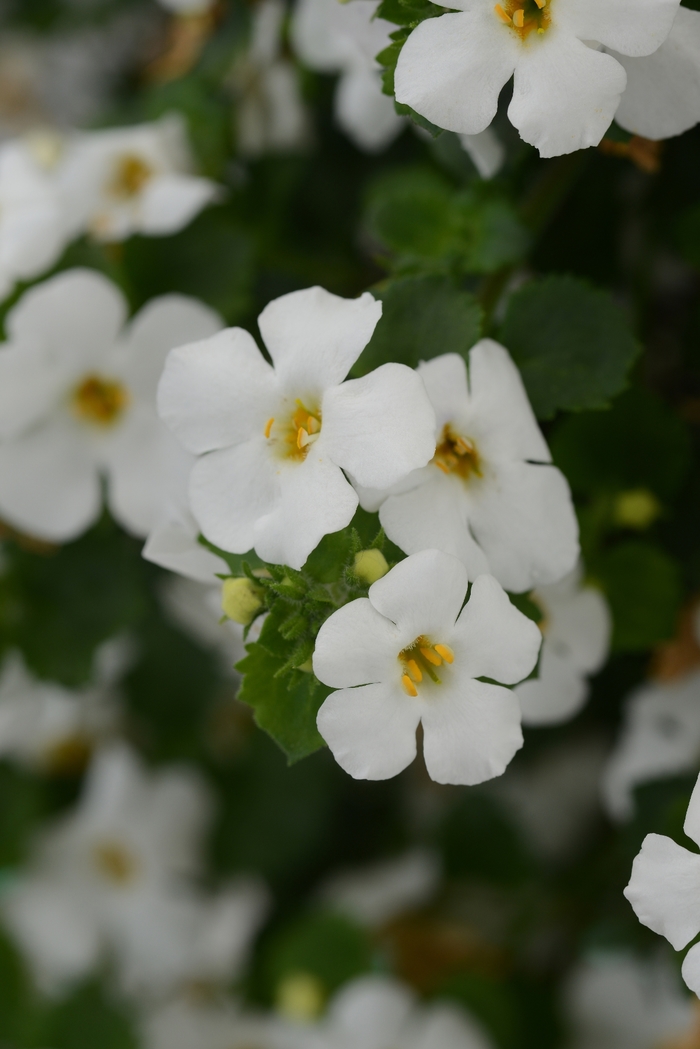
(556, 695)
(423, 594)
(445, 379)
(162, 325)
(486, 152)
(565, 94)
(138, 458)
(690, 969)
(434, 516)
(371, 730)
(471, 730)
(692, 816)
(634, 27)
(492, 638)
(49, 483)
(217, 392)
(314, 337)
(664, 889)
(172, 544)
(662, 97)
(357, 646)
(315, 499)
(366, 115)
(371, 1011)
(524, 521)
(448, 1027)
(452, 68)
(30, 386)
(231, 490)
(170, 202)
(379, 427)
(578, 625)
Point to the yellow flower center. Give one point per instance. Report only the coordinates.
(69, 756)
(525, 16)
(114, 862)
(292, 437)
(129, 176)
(100, 401)
(456, 454)
(421, 659)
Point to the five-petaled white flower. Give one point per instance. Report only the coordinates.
(346, 38)
(490, 496)
(407, 655)
(664, 889)
(133, 180)
(274, 440)
(77, 400)
(576, 632)
(565, 90)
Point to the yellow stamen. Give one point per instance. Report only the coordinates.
(519, 18)
(446, 652)
(502, 15)
(268, 426)
(441, 466)
(415, 671)
(313, 425)
(432, 657)
(302, 437)
(408, 686)
(540, 3)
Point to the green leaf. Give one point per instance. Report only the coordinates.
(407, 12)
(86, 1020)
(573, 345)
(423, 317)
(328, 946)
(643, 587)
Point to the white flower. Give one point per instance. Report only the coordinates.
(172, 544)
(565, 91)
(33, 230)
(345, 38)
(184, 1024)
(274, 440)
(616, 1001)
(407, 655)
(77, 401)
(576, 629)
(270, 114)
(377, 1012)
(486, 152)
(490, 495)
(662, 97)
(660, 737)
(664, 890)
(375, 894)
(133, 180)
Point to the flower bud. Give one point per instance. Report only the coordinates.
(636, 508)
(241, 600)
(370, 565)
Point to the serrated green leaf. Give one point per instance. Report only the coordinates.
(572, 343)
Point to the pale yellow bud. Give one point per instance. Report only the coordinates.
(300, 996)
(370, 565)
(241, 600)
(637, 508)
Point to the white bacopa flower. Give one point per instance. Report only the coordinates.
(373, 895)
(576, 639)
(77, 401)
(617, 1001)
(345, 38)
(664, 890)
(660, 737)
(565, 91)
(270, 115)
(408, 655)
(273, 440)
(133, 180)
(490, 496)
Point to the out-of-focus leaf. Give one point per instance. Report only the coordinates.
(478, 841)
(642, 585)
(86, 1020)
(327, 946)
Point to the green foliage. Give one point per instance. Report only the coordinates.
(85, 1020)
(642, 585)
(478, 841)
(573, 345)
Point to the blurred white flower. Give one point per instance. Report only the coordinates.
(345, 38)
(376, 893)
(172, 544)
(133, 180)
(660, 737)
(566, 90)
(486, 152)
(273, 441)
(196, 609)
(576, 638)
(490, 496)
(187, 7)
(270, 115)
(663, 890)
(407, 655)
(77, 401)
(187, 1024)
(617, 1001)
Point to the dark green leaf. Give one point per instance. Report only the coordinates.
(642, 585)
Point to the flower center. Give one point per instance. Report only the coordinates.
(456, 455)
(420, 659)
(525, 16)
(292, 437)
(100, 401)
(69, 756)
(114, 862)
(129, 176)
